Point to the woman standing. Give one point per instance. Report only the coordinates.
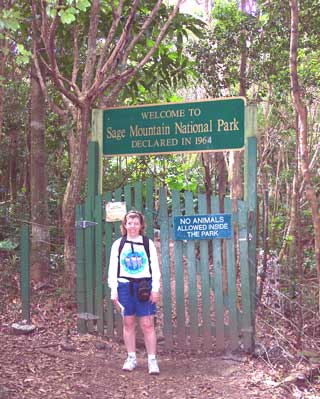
(134, 261)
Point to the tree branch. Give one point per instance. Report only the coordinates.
(92, 45)
(126, 75)
(35, 60)
(65, 92)
(121, 79)
(48, 36)
(160, 36)
(115, 22)
(143, 28)
(116, 51)
(75, 67)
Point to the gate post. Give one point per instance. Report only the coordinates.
(80, 267)
(25, 272)
(165, 263)
(250, 186)
(97, 128)
(90, 234)
(93, 170)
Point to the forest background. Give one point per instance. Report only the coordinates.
(59, 59)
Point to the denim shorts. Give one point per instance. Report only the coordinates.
(132, 305)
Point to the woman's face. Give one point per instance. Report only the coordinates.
(133, 226)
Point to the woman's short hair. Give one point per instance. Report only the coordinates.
(130, 215)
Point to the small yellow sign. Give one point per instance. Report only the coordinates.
(115, 211)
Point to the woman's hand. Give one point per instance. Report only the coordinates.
(154, 297)
(115, 298)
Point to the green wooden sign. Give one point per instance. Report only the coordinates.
(211, 125)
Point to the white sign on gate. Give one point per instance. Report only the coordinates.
(115, 211)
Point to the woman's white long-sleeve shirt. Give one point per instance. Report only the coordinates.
(134, 263)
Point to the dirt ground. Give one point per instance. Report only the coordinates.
(53, 362)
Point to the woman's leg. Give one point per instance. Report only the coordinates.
(129, 333)
(150, 339)
(149, 333)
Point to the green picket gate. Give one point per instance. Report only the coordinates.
(207, 285)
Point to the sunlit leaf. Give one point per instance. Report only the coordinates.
(68, 16)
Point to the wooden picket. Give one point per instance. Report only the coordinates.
(206, 300)
(166, 269)
(192, 279)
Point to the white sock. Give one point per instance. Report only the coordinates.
(132, 355)
(150, 357)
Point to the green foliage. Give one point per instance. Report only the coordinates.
(266, 42)
(58, 162)
(24, 55)
(278, 223)
(11, 27)
(309, 261)
(7, 245)
(14, 154)
(170, 67)
(289, 238)
(9, 19)
(217, 55)
(170, 170)
(69, 13)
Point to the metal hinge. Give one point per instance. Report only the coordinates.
(87, 316)
(83, 224)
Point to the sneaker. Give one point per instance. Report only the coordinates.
(130, 364)
(153, 367)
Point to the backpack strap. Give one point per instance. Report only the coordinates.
(145, 243)
(121, 245)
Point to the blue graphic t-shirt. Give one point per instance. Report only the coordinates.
(133, 262)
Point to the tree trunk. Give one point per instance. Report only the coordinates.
(222, 187)
(3, 59)
(302, 132)
(208, 11)
(13, 134)
(2, 64)
(298, 261)
(222, 181)
(40, 237)
(78, 159)
(206, 161)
